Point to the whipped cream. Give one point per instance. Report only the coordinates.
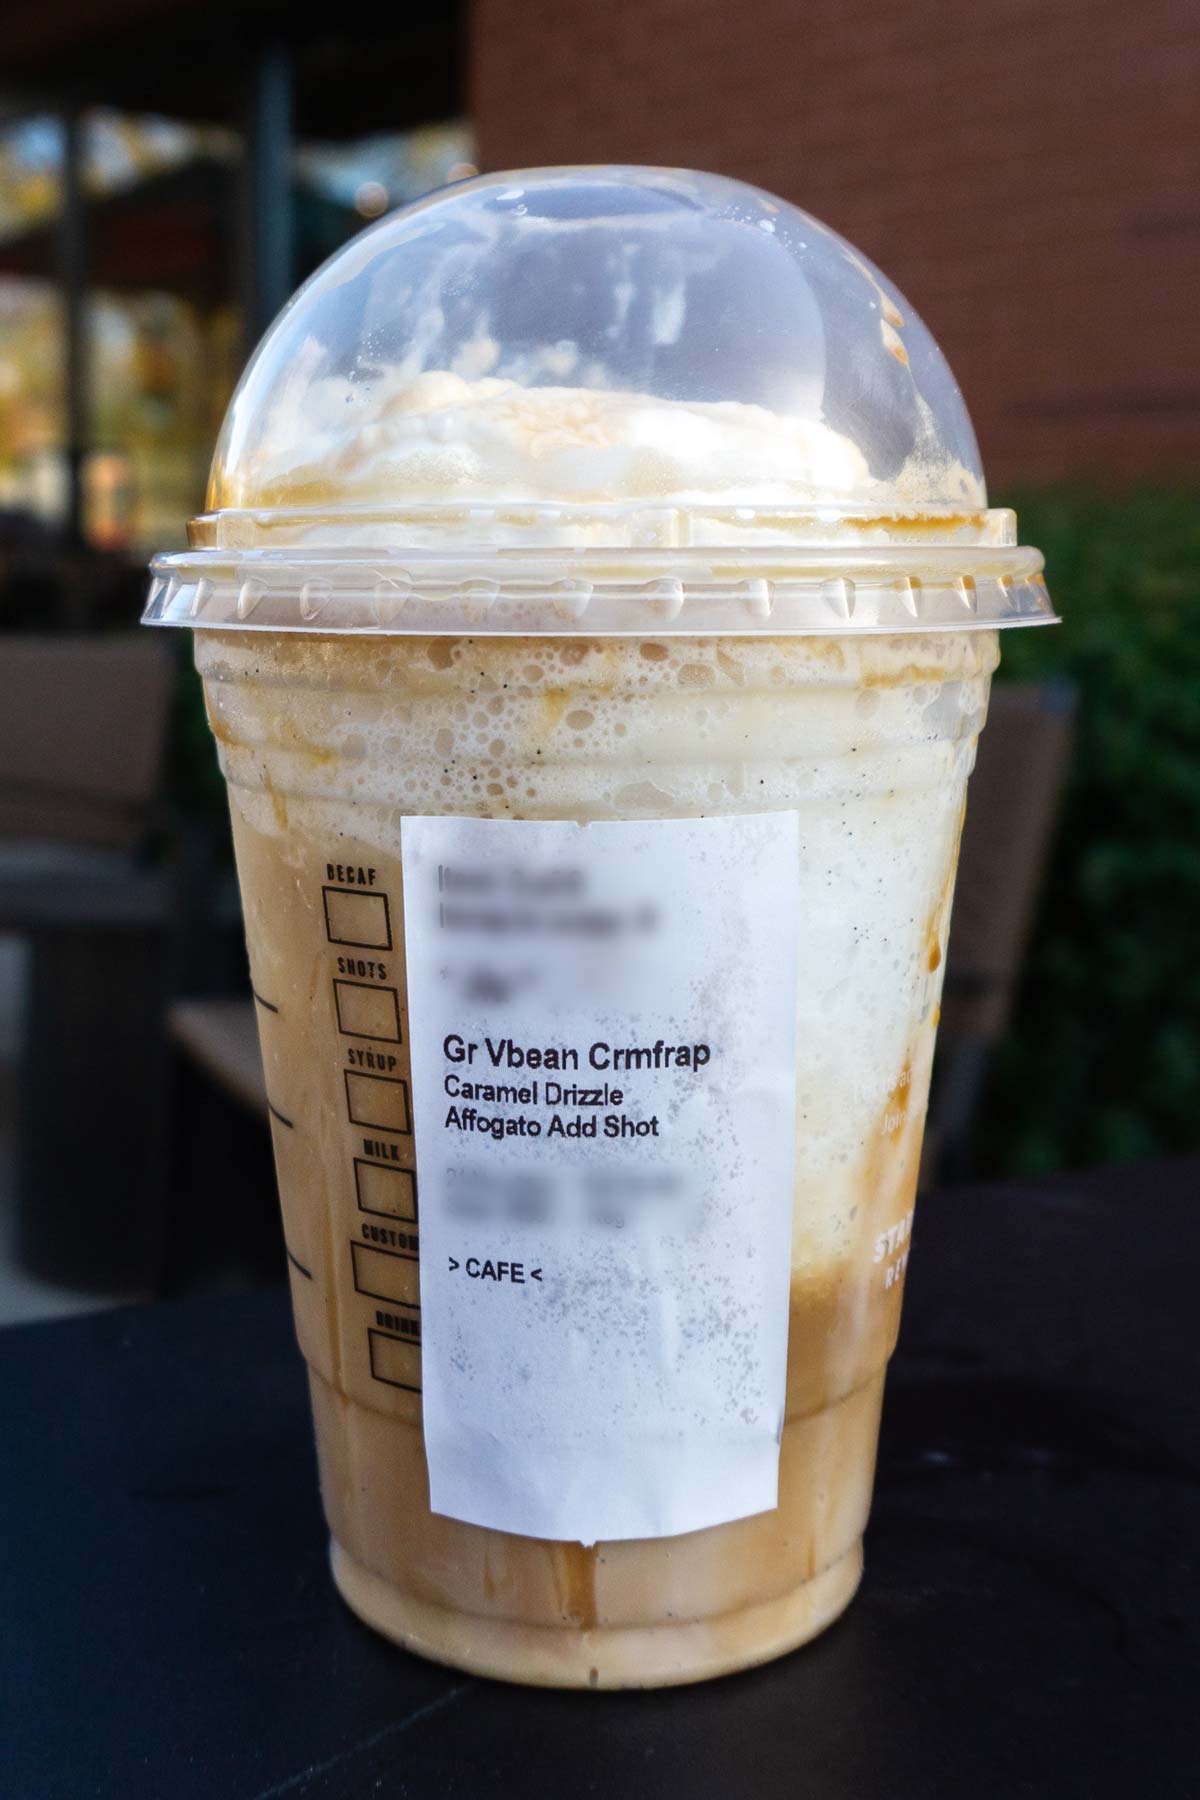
(441, 436)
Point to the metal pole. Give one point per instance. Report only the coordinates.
(72, 247)
(266, 236)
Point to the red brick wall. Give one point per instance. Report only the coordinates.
(1027, 171)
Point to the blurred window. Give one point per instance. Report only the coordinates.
(163, 359)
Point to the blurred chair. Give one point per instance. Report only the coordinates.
(223, 1227)
(83, 723)
(1012, 807)
(221, 1038)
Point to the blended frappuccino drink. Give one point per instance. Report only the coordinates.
(596, 610)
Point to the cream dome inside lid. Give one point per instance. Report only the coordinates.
(598, 400)
(597, 337)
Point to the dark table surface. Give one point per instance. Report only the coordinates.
(1029, 1623)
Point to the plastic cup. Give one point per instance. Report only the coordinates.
(605, 498)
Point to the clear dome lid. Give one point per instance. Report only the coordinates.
(599, 377)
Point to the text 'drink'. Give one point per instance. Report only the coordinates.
(396, 1360)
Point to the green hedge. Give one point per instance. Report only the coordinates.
(1103, 1060)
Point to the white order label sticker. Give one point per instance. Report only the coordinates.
(602, 1028)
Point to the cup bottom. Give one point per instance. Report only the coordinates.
(623, 1657)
